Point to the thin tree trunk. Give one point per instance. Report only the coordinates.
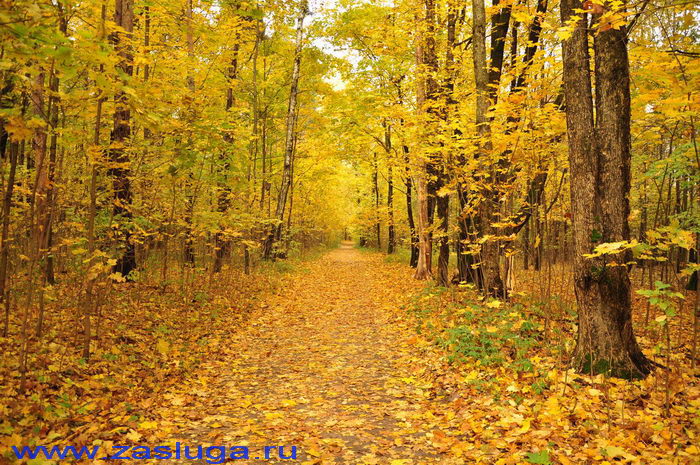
(5, 237)
(375, 189)
(51, 192)
(188, 251)
(413, 262)
(391, 240)
(91, 303)
(92, 213)
(275, 232)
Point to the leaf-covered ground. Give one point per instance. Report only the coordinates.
(334, 365)
(326, 366)
(354, 362)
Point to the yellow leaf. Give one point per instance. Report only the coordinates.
(471, 376)
(118, 277)
(133, 435)
(614, 452)
(524, 428)
(162, 346)
(148, 425)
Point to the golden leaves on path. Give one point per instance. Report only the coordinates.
(326, 367)
(334, 366)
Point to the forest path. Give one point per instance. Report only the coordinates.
(328, 367)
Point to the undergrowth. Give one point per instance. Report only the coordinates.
(489, 333)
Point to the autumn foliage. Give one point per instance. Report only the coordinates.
(513, 186)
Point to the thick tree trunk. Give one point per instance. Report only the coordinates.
(500, 23)
(443, 212)
(468, 269)
(426, 88)
(443, 200)
(424, 265)
(599, 159)
(391, 240)
(526, 246)
(492, 282)
(121, 133)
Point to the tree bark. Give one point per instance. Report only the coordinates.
(490, 268)
(391, 241)
(413, 261)
(275, 232)
(425, 96)
(119, 138)
(599, 160)
(190, 190)
(221, 245)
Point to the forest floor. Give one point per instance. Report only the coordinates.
(352, 361)
(326, 366)
(333, 365)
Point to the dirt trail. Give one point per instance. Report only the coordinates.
(326, 366)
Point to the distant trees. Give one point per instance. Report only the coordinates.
(130, 129)
(484, 150)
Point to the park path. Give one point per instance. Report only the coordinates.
(328, 365)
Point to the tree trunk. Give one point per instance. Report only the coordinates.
(599, 159)
(375, 191)
(5, 237)
(54, 101)
(425, 91)
(424, 265)
(222, 246)
(443, 212)
(188, 249)
(413, 262)
(119, 138)
(276, 230)
(492, 283)
(468, 270)
(442, 199)
(391, 241)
